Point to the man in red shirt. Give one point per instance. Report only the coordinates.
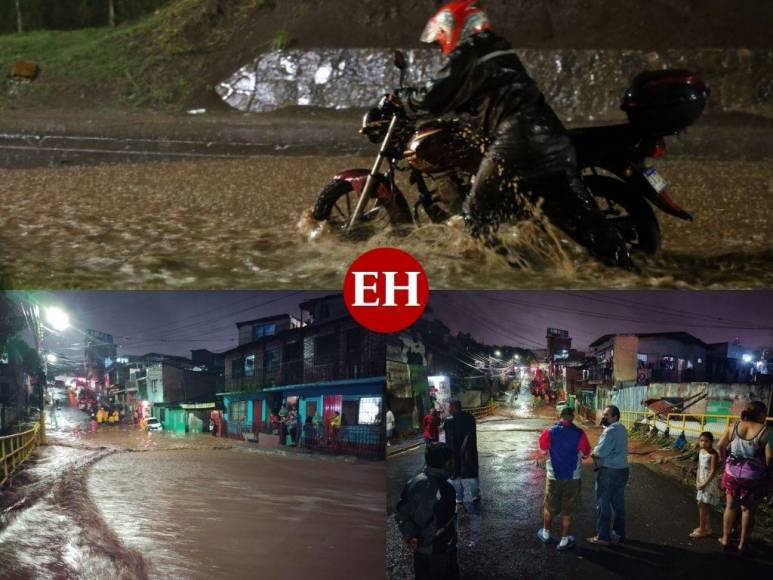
(432, 427)
(566, 445)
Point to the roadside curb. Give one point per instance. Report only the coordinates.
(303, 454)
(404, 449)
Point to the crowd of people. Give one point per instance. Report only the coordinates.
(286, 423)
(740, 468)
(105, 416)
(426, 512)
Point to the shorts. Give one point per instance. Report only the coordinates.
(562, 496)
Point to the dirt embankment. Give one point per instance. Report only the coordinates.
(641, 24)
(174, 56)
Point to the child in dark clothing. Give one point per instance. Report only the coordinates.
(426, 516)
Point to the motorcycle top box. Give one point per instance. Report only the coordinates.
(665, 102)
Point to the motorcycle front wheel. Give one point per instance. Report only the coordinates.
(336, 202)
(630, 212)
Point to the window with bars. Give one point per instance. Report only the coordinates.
(263, 330)
(237, 411)
(249, 365)
(370, 411)
(271, 360)
(237, 367)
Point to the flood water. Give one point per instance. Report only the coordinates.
(132, 506)
(57, 531)
(245, 224)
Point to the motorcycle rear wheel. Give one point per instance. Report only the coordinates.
(638, 223)
(336, 202)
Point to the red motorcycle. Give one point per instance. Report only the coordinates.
(442, 156)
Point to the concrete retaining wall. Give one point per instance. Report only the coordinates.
(582, 85)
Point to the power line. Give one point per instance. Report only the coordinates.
(667, 309)
(617, 318)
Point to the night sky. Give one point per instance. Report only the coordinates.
(176, 322)
(163, 322)
(522, 318)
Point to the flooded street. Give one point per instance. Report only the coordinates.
(497, 538)
(244, 224)
(232, 514)
(127, 504)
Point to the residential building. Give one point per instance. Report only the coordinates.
(125, 373)
(207, 360)
(734, 363)
(327, 365)
(167, 392)
(647, 357)
(252, 330)
(16, 389)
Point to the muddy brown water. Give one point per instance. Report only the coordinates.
(128, 505)
(245, 224)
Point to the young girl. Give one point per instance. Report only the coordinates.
(707, 484)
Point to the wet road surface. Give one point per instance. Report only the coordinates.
(121, 503)
(246, 224)
(498, 538)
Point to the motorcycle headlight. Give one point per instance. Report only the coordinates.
(371, 117)
(373, 126)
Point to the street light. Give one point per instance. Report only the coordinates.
(51, 358)
(57, 318)
(747, 358)
(497, 353)
(59, 321)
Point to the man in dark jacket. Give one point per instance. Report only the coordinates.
(426, 516)
(461, 437)
(485, 80)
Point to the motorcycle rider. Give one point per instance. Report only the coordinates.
(484, 79)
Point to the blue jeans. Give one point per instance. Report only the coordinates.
(472, 485)
(610, 497)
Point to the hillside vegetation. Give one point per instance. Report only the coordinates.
(173, 55)
(161, 60)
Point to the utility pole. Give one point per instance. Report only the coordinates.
(110, 13)
(37, 335)
(19, 27)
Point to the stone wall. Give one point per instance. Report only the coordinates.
(582, 85)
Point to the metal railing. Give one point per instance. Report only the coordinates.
(15, 449)
(483, 411)
(359, 440)
(691, 424)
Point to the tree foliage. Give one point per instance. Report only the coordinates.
(71, 14)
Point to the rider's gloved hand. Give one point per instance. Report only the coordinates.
(404, 94)
(392, 104)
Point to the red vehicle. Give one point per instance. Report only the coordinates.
(443, 156)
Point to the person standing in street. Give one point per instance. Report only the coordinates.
(461, 437)
(390, 426)
(566, 446)
(426, 517)
(748, 457)
(318, 424)
(432, 427)
(611, 458)
(707, 484)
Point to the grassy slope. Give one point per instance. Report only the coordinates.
(158, 61)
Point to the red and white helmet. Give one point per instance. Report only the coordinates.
(453, 23)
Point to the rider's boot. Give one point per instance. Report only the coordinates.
(589, 227)
(604, 241)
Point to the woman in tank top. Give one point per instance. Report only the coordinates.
(747, 453)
